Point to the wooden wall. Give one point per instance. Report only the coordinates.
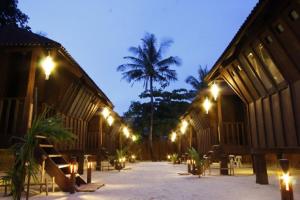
(66, 93)
(264, 71)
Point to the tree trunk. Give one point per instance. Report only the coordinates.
(151, 119)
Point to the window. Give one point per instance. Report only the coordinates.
(279, 28)
(294, 15)
(269, 64)
(269, 39)
(257, 68)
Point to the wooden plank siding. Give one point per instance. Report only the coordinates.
(264, 71)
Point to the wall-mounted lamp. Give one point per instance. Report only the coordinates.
(48, 65)
(105, 112)
(110, 120)
(126, 132)
(215, 90)
(207, 105)
(133, 138)
(173, 136)
(184, 125)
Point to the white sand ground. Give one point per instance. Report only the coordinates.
(160, 181)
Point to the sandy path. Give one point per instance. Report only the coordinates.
(159, 180)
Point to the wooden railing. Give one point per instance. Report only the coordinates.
(234, 133)
(11, 118)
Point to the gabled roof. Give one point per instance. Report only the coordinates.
(256, 11)
(12, 36)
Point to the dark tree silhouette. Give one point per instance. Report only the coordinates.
(198, 83)
(11, 15)
(147, 65)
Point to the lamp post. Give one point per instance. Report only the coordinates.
(89, 172)
(73, 171)
(286, 186)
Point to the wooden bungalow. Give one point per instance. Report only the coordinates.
(220, 131)
(262, 66)
(69, 92)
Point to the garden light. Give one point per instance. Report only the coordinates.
(126, 132)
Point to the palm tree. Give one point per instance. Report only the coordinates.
(147, 65)
(25, 162)
(198, 84)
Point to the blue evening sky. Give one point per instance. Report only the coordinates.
(98, 33)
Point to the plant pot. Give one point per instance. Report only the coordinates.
(189, 168)
(118, 166)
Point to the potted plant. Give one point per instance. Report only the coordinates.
(174, 159)
(120, 160)
(196, 163)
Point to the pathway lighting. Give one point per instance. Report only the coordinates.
(89, 172)
(169, 157)
(286, 185)
(215, 90)
(73, 169)
(184, 126)
(173, 136)
(105, 112)
(207, 104)
(48, 65)
(110, 120)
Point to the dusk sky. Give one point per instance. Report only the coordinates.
(98, 33)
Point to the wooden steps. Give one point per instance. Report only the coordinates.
(56, 166)
(54, 155)
(45, 145)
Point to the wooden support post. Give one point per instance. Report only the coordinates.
(28, 103)
(220, 134)
(224, 164)
(89, 172)
(260, 169)
(98, 153)
(80, 164)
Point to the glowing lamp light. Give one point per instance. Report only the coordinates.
(73, 167)
(184, 126)
(133, 157)
(123, 159)
(110, 120)
(105, 112)
(134, 138)
(48, 65)
(126, 132)
(215, 90)
(173, 136)
(286, 180)
(90, 165)
(169, 157)
(207, 105)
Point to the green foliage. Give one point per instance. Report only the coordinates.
(194, 155)
(199, 82)
(25, 162)
(121, 153)
(147, 65)
(11, 15)
(169, 106)
(174, 158)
